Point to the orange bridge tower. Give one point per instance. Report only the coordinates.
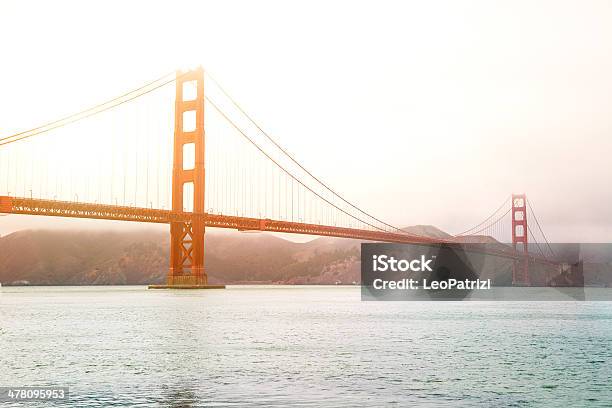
(188, 187)
(520, 270)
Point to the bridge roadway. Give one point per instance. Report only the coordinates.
(71, 209)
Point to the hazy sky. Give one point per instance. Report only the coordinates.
(423, 112)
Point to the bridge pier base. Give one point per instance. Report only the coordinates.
(175, 286)
(195, 279)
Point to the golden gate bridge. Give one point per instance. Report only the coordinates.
(117, 161)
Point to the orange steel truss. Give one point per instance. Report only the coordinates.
(30, 206)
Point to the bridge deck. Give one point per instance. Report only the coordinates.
(53, 208)
(30, 206)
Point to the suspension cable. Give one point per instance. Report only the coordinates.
(540, 228)
(292, 158)
(536, 242)
(493, 223)
(486, 219)
(99, 108)
(286, 171)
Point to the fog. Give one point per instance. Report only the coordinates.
(422, 112)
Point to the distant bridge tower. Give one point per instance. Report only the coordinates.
(520, 270)
(187, 238)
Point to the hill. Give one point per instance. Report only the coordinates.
(50, 257)
(44, 257)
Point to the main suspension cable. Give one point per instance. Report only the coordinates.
(486, 219)
(493, 223)
(286, 171)
(292, 158)
(540, 228)
(536, 242)
(99, 108)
